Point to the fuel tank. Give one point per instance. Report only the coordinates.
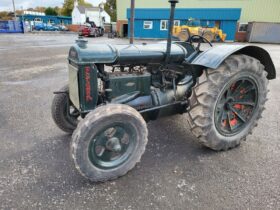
(83, 53)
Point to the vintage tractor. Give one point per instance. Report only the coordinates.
(114, 90)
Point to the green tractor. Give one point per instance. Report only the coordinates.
(114, 90)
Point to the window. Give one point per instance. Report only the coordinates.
(176, 22)
(37, 19)
(163, 25)
(243, 27)
(148, 25)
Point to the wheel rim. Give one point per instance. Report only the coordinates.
(112, 146)
(236, 106)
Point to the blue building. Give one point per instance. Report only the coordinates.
(153, 23)
(57, 20)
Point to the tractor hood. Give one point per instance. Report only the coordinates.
(83, 53)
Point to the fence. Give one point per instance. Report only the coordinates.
(11, 26)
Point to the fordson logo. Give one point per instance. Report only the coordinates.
(88, 85)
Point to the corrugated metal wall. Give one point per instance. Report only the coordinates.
(252, 10)
(227, 18)
(11, 26)
(264, 32)
(56, 19)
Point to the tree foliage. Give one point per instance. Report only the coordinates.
(51, 11)
(69, 5)
(111, 8)
(40, 9)
(5, 16)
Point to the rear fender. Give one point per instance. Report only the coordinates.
(214, 57)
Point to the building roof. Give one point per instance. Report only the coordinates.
(82, 9)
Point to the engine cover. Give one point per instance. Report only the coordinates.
(125, 54)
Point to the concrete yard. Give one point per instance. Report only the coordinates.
(176, 172)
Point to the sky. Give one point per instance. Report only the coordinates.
(7, 5)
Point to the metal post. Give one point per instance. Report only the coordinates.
(132, 14)
(170, 28)
(14, 10)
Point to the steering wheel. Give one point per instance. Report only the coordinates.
(201, 39)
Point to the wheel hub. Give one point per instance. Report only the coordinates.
(228, 103)
(235, 106)
(113, 144)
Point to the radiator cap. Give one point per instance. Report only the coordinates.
(81, 42)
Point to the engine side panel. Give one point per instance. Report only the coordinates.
(121, 83)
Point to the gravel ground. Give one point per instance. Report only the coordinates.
(36, 171)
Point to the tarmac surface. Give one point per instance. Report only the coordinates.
(176, 172)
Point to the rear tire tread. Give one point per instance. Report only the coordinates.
(199, 116)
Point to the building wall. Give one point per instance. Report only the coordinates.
(106, 16)
(47, 18)
(226, 18)
(252, 10)
(76, 16)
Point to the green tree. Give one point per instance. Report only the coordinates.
(5, 16)
(68, 6)
(111, 8)
(51, 11)
(40, 9)
(58, 10)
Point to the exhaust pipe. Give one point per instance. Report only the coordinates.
(132, 15)
(170, 29)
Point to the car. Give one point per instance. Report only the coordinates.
(39, 27)
(46, 27)
(88, 30)
(50, 27)
(62, 28)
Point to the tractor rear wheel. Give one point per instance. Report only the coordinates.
(64, 114)
(227, 102)
(109, 142)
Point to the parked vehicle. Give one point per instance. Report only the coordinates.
(222, 91)
(47, 27)
(62, 28)
(50, 27)
(39, 27)
(194, 27)
(89, 29)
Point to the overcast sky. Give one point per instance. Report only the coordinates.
(8, 5)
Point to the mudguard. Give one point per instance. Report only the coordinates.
(213, 57)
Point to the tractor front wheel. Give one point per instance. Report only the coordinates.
(227, 102)
(109, 142)
(64, 114)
